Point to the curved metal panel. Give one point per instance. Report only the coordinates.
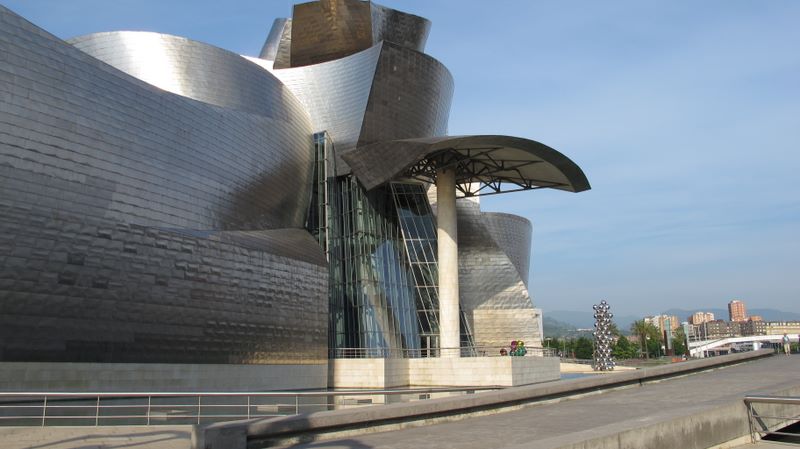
(115, 147)
(406, 30)
(493, 295)
(189, 68)
(280, 31)
(335, 94)
(104, 180)
(489, 279)
(329, 29)
(84, 289)
(386, 92)
(410, 97)
(512, 234)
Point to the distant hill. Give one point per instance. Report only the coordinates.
(555, 328)
(585, 320)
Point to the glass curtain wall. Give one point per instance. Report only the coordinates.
(381, 249)
(370, 289)
(419, 235)
(418, 225)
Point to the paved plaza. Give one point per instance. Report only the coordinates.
(140, 437)
(572, 421)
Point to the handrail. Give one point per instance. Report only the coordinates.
(100, 408)
(577, 361)
(344, 392)
(772, 400)
(755, 420)
(413, 353)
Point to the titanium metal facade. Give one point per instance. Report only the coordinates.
(164, 200)
(140, 225)
(382, 93)
(494, 255)
(192, 69)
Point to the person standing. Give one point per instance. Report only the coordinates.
(786, 344)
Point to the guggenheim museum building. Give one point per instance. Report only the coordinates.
(169, 206)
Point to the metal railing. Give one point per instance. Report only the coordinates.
(577, 361)
(760, 423)
(467, 351)
(101, 409)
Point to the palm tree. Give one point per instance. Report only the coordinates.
(641, 328)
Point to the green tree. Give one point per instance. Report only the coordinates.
(583, 348)
(639, 328)
(654, 346)
(624, 349)
(679, 341)
(564, 346)
(649, 337)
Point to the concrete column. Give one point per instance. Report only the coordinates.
(447, 233)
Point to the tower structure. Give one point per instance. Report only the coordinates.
(737, 311)
(602, 359)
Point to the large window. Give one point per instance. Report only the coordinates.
(381, 249)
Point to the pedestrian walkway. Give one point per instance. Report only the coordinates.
(139, 437)
(664, 408)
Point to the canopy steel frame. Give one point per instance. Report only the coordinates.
(477, 166)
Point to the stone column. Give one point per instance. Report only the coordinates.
(447, 233)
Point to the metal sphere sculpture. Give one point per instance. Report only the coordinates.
(602, 360)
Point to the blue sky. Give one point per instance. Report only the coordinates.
(684, 115)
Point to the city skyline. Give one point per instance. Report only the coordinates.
(682, 116)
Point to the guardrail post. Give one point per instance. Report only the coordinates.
(97, 412)
(750, 422)
(149, 402)
(296, 404)
(248, 406)
(44, 411)
(199, 398)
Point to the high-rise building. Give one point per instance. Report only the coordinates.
(673, 321)
(701, 317)
(660, 321)
(736, 311)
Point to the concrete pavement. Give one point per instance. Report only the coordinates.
(767, 445)
(675, 413)
(129, 437)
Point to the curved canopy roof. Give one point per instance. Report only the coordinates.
(484, 164)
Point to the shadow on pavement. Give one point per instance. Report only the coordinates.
(348, 444)
(86, 440)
